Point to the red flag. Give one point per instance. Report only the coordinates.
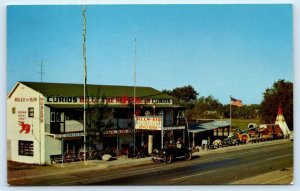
(236, 102)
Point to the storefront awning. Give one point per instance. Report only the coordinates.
(197, 128)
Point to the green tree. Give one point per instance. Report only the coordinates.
(280, 94)
(98, 120)
(245, 112)
(207, 107)
(185, 95)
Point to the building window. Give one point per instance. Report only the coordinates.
(52, 116)
(26, 148)
(30, 112)
(13, 110)
(220, 132)
(215, 132)
(226, 132)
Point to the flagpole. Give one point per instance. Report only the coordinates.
(230, 115)
(84, 85)
(134, 89)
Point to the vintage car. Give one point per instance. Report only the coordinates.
(172, 153)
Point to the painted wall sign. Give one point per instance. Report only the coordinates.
(41, 105)
(22, 115)
(24, 127)
(24, 99)
(124, 100)
(21, 120)
(149, 123)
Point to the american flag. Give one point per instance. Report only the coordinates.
(236, 102)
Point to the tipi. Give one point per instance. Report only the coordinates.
(281, 122)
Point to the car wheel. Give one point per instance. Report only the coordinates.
(168, 159)
(188, 156)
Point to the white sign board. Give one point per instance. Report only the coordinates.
(69, 135)
(148, 122)
(174, 128)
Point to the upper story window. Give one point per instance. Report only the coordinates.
(57, 117)
(30, 112)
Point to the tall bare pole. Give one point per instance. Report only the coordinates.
(230, 116)
(134, 96)
(85, 79)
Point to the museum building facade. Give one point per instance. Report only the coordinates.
(46, 119)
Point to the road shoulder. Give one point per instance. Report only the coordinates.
(283, 176)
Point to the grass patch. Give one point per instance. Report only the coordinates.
(243, 123)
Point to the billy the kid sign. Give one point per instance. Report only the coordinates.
(149, 123)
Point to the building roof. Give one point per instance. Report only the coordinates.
(196, 128)
(76, 90)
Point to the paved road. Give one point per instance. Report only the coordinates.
(223, 167)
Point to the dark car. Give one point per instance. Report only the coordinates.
(172, 153)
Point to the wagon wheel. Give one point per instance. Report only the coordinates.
(93, 154)
(69, 156)
(81, 155)
(217, 143)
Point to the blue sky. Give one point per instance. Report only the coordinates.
(220, 50)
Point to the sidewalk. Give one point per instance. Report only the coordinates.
(42, 171)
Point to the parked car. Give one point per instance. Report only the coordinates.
(172, 153)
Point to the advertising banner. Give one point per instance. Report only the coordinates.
(124, 100)
(148, 122)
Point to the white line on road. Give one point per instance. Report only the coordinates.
(278, 157)
(194, 175)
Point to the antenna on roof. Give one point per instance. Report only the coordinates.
(41, 72)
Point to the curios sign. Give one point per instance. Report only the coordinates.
(108, 100)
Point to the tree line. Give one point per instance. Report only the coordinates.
(280, 94)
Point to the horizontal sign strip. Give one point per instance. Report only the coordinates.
(174, 128)
(108, 100)
(69, 135)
